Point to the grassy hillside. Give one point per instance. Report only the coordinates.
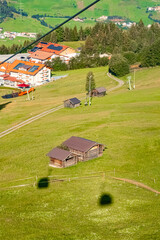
(126, 121)
(132, 9)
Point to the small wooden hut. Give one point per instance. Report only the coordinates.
(99, 92)
(72, 103)
(84, 149)
(61, 158)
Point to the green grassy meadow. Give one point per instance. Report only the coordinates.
(132, 9)
(127, 122)
(75, 44)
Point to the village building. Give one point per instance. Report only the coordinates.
(84, 149)
(8, 81)
(72, 103)
(99, 92)
(40, 56)
(31, 73)
(55, 50)
(102, 19)
(77, 19)
(61, 158)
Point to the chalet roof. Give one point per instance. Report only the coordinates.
(80, 144)
(19, 66)
(12, 79)
(101, 89)
(5, 67)
(73, 100)
(41, 55)
(28, 68)
(59, 154)
(53, 48)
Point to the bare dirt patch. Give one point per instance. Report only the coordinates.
(138, 184)
(80, 4)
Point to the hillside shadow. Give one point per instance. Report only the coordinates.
(4, 105)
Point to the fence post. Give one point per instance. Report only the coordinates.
(104, 176)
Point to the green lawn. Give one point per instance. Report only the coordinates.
(127, 122)
(131, 9)
(74, 45)
(18, 40)
(25, 24)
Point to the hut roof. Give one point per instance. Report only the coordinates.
(101, 89)
(80, 144)
(59, 154)
(73, 100)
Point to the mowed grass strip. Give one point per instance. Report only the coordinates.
(127, 122)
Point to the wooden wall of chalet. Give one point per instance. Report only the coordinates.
(67, 163)
(70, 162)
(55, 162)
(94, 152)
(95, 93)
(68, 104)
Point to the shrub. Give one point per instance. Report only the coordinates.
(118, 65)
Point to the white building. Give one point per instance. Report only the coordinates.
(31, 73)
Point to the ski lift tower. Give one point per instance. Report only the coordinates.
(129, 82)
(90, 89)
(134, 83)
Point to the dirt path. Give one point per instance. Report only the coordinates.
(28, 121)
(137, 184)
(120, 82)
(32, 119)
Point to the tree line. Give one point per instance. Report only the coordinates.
(13, 48)
(8, 11)
(79, 62)
(139, 44)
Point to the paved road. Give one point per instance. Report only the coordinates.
(30, 120)
(18, 56)
(120, 82)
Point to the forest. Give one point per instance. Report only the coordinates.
(138, 44)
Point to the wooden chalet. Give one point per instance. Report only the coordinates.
(84, 149)
(72, 103)
(99, 92)
(61, 158)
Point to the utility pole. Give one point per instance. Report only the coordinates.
(134, 84)
(129, 82)
(90, 89)
(28, 97)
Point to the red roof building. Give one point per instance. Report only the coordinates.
(29, 72)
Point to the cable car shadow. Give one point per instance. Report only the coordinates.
(105, 199)
(4, 105)
(43, 183)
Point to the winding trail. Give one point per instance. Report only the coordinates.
(32, 119)
(120, 82)
(137, 184)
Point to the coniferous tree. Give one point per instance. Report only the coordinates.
(89, 45)
(81, 34)
(90, 82)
